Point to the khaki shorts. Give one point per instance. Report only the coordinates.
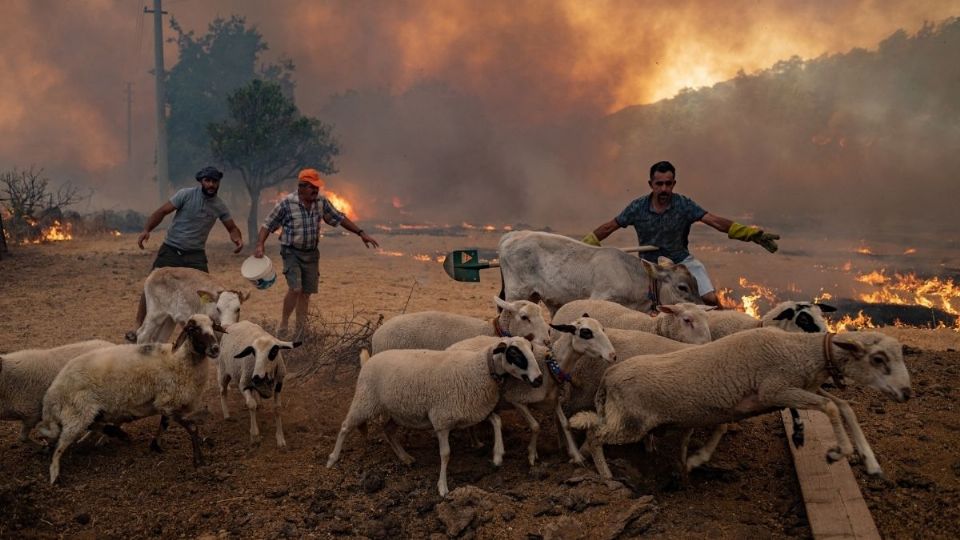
(301, 268)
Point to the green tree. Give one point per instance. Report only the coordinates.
(210, 68)
(268, 141)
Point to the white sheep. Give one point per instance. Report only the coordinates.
(173, 294)
(684, 322)
(584, 338)
(251, 357)
(790, 316)
(740, 376)
(126, 382)
(437, 330)
(438, 390)
(587, 374)
(25, 376)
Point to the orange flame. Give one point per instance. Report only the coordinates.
(750, 302)
(341, 203)
(848, 323)
(910, 289)
(864, 250)
(909, 251)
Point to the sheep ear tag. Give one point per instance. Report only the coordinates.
(465, 264)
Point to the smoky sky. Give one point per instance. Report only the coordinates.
(486, 112)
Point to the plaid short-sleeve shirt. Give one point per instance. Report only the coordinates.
(301, 226)
(668, 231)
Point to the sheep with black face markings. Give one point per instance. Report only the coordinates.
(438, 390)
(584, 339)
(251, 357)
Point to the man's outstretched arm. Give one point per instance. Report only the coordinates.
(745, 233)
(601, 232)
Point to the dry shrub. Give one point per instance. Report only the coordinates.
(330, 344)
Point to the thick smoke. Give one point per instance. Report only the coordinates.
(498, 111)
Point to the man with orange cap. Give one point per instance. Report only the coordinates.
(299, 214)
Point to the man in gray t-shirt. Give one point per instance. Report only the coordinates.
(663, 219)
(197, 209)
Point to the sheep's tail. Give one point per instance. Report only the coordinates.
(364, 356)
(589, 419)
(585, 420)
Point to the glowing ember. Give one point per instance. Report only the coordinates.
(466, 225)
(390, 253)
(909, 251)
(423, 257)
(864, 250)
(415, 227)
(116, 233)
(397, 203)
(847, 266)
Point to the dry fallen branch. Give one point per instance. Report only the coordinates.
(330, 344)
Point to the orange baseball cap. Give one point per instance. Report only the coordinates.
(310, 176)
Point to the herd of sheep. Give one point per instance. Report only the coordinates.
(609, 368)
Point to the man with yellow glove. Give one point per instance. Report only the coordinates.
(663, 219)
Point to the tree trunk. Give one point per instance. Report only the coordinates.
(252, 225)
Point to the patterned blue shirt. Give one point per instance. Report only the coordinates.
(301, 226)
(668, 231)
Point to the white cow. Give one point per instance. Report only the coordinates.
(554, 269)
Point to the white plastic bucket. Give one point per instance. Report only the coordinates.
(259, 271)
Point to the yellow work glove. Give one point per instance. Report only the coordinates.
(747, 233)
(591, 239)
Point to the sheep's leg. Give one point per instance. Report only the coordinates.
(575, 455)
(69, 433)
(251, 401)
(494, 420)
(797, 436)
(277, 407)
(443, 436)
(161, 428)
(390, 433)
(706, 451)
(224, 384)
(534, 432)
(863, 447)
(596, 450)
(801, 399)
(194, 438)
(348, 423)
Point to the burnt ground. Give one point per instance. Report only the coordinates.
(56, 294)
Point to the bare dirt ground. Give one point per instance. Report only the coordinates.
(82, 289)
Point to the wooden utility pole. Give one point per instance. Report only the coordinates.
(129, 93)
(162, 175)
